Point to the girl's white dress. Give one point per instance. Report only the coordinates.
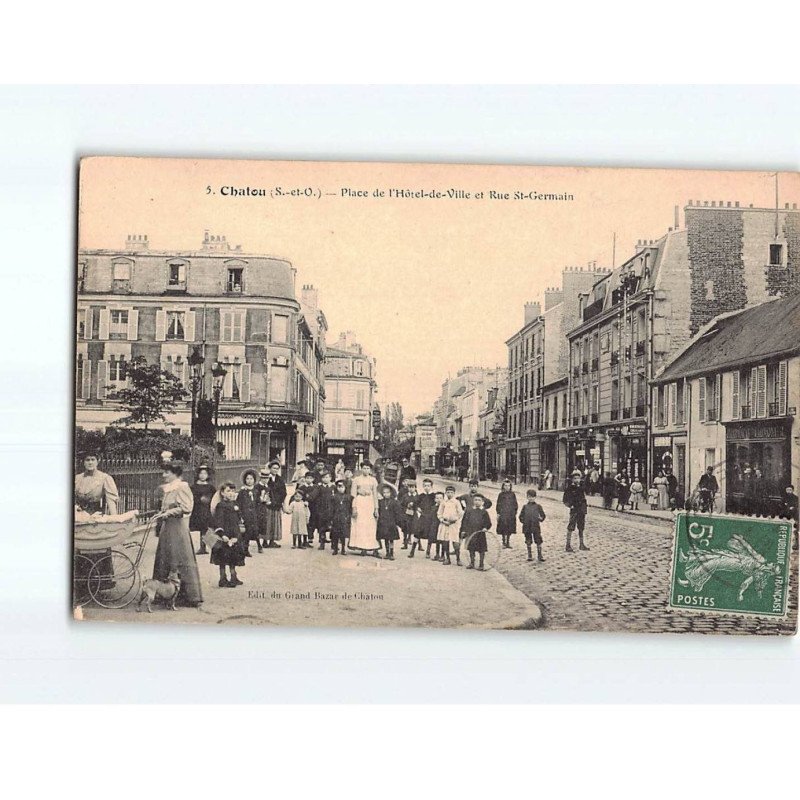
(363, 531)
(450, 510)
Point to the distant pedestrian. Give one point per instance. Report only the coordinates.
(507, 507)
(338, 470)
(575, 500)
(407, 472)
(707, 488)
(433, 529)
(594, 481)
(474, 525)
(662, 485)
(300, 471)
(547, 479)
(609, 491)
(340, 522)
(637, 489)
(623, 489)
(532, 516)
(652, 497)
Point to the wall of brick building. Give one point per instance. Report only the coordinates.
(715, 238)
(786, 280)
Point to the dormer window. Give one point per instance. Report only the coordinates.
(121, 275)
(176, 280)
(235, 280)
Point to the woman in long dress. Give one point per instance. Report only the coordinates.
(200, 521)
(662, 484)
(363, 533)
(175, 549)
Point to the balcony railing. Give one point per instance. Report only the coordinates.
(712, 415)
(746, 412)
(773, 409)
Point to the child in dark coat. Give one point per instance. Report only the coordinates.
(531, 517)
(474, 525)
(323, 508)
(425, 518)
(342, 515)
(389, 514)
(408, 509)
(229, 551)
(507, 507)
(247, 501)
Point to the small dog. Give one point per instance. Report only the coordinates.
(166, 591)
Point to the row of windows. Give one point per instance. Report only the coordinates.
(177, 276)
(113, 372)
(342, 427)
(178, 326)
(526, 349)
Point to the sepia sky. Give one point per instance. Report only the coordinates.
(427, 285)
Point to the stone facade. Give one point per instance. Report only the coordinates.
(350, 394)
(236, 309)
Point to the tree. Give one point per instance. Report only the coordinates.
(391, 424)
(151, 393)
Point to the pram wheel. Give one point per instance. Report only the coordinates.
(114, 581)
(81, 567)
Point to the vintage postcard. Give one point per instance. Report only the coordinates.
(436, 395)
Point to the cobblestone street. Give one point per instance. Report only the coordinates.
(621, 584)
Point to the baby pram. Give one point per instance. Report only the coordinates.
(107, 555)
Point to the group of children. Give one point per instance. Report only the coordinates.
(439, 521)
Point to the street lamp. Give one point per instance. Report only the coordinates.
(218, 372)
(196, 367)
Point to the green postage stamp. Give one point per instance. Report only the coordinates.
(731, 565)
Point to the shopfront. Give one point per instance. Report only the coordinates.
(631, 451)
(758, 465)
(585, 449)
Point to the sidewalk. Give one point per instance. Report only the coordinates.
(593, 501)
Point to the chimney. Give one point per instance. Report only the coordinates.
(310, 296)
(552, 297)
(136, 241)
(677, 216)
(532, 311)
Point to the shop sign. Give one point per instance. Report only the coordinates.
(757, 431)
(635, 430)
(616, 431)
(662, 441)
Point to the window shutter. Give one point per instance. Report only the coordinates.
(782, 396)
(188, 330)
(133, 325)
(227, 386)
(240, 322)
(87, 378)
(735, 395)
(673, 403)
(184, 376)
(161, 325)
(245, 387)
(104, 323)
(102, 379)
(87, 325)
(701, 399)
(718, 387)
(751, 395)
(79, 374)
(761, 397)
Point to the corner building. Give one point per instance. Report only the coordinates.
(240, 310)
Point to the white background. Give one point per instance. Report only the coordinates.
(44, 656)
